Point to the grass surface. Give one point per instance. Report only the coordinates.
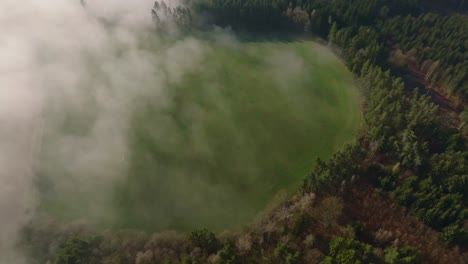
(245, 124)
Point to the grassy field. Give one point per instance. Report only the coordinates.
(245, 124)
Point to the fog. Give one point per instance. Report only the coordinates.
(45, 51)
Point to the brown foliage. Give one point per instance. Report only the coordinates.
(391, 224)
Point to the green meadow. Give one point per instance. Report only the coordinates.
(244, 125)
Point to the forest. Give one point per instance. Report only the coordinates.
(408, 36)
(398, 194)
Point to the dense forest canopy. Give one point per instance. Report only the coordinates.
(434, 45)
(406, 35)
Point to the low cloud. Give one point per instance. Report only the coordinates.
(63, 66)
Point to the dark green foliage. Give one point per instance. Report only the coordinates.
(366, 30)
(411, 152)
(445, 139)
(434, 46)
(404, 194)
(455, 235)
(441, 43)
(401, 255)
(431, 203)
(227, 255)
(359, 46)
(447, 164)
(455, 141)
(315, 15)
(255, 14)
(436, 208)
(329, 175)
(401, 127)
(205, 240)
(387, 183)
(286, 254)
(187, 259)
(345, 250)
(397, 124)
(441, 198)
(300, 223)
(333, 32)
(74, 251)
(384, 107)
(463, 127)
(352, 12)
(358, 229)
(388, 178)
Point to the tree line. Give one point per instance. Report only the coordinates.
(405, 35)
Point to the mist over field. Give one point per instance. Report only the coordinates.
(105, 122)
(45, 48)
